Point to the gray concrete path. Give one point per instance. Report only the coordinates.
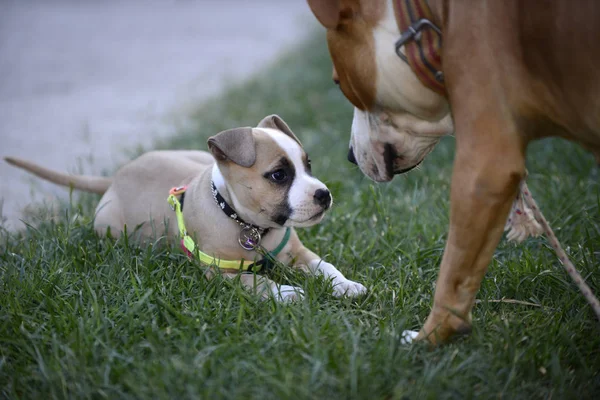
(83, 80)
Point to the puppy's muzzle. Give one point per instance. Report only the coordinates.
(322, 197)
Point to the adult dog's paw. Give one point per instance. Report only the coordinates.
(408, 337)
(287, 293)
(348, 288)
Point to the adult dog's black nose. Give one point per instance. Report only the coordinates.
(323, 198)
(351, 157)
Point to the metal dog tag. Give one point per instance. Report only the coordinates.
(249, 238)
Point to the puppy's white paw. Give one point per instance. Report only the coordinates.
(408, 337)
(348, 288)
(287, 293)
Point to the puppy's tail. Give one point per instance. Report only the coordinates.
(94, 184)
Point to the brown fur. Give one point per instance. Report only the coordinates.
(515, 71)
(351, 41)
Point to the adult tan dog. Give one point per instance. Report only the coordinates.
(510, 72)
(259, 188)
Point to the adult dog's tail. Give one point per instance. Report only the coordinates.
(94, 184)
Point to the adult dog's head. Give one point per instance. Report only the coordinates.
(397, 120)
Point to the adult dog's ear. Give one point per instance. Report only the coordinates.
(236, 145)
(275, 122)
(326, 11)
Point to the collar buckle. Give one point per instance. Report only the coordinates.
(414, 33)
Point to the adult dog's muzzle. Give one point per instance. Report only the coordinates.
(351, 157)
(389, 161)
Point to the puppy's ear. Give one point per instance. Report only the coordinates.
(326, 11)
(275, 122)
(236, 145)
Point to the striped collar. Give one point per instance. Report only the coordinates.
(422, 42)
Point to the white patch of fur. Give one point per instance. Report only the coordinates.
(397, 87)
(229, 195)
(412, 139)
(341, 285)
(217, 178)
(304, 186)
(287, 293)
(408, 337)
(408, 116)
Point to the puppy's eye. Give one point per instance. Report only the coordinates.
(279, 176)
(308, 164)
(337, 82)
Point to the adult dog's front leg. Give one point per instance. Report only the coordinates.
(487, 171)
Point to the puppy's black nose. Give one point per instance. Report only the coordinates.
(351, 157)
(323, 197)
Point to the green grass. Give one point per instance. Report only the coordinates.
(88, 317)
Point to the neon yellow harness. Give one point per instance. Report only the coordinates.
(189, 246)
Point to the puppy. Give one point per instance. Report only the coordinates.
(238, 205)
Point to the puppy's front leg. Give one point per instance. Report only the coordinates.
(266, 287)
(263, 286)
(316, 265)
(341, 285)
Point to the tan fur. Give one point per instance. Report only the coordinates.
(235, 144)
(515, 71)
(94, 184)
(137, 198)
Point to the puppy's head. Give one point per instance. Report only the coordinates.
(397, 120)
(268, 175)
